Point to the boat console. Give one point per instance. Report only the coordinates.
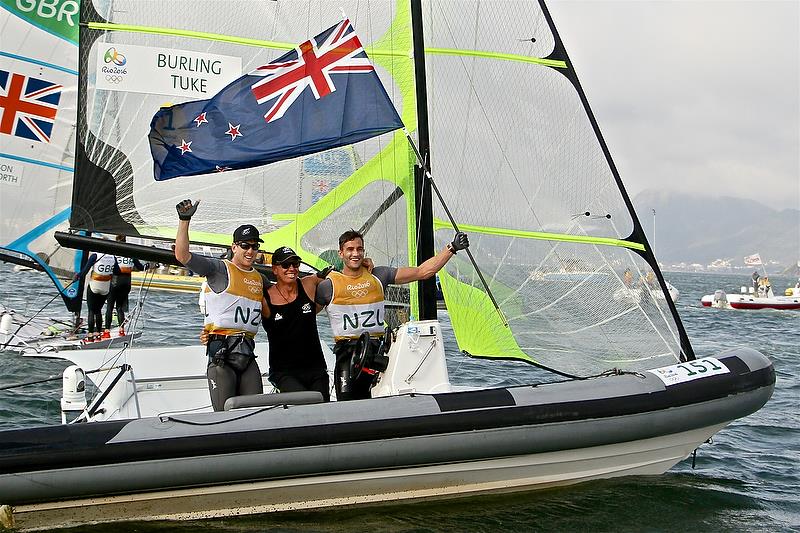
(416, 361)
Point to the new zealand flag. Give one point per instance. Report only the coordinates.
(323, 94)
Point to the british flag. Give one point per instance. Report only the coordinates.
(28, 106)
(321, 95)
(339, 51)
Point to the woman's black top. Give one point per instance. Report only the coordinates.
(293, 339)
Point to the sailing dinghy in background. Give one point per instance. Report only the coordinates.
(39, 80)
(38, 116)
(504, 128)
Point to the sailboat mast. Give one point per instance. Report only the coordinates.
(422, 188)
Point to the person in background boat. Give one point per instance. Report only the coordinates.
(648, 280)
(234, 303)
(755, 277)
(120, 289)
(354, 298)
(764, 288)
(296, 362)
(627, 277)
(98, 270)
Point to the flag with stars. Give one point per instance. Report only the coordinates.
(323, 94)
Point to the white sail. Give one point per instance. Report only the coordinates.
(38, 73)
(514, 150)
(520, 163)
(304, 203)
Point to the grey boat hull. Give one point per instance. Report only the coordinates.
(410, 446)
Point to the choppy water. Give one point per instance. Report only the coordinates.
(747, 479)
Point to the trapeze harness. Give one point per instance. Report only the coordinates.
(356, 313)
(233, 317)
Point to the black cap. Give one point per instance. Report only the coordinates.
(246, 232)
(282, 254)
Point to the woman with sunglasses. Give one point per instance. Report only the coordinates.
(234, 304)
(296, 362)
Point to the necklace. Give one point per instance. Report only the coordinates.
(284, 296)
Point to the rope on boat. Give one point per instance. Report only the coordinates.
(53, 377)
(191, 423)
(26, 383)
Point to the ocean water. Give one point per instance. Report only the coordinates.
(746, 479)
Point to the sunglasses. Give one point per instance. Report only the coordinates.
(293, 263)
(247, 245)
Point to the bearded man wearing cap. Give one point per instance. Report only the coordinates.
(234, 300)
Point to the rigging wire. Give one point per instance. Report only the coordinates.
(52, 377)
(13, 335)
(423, 164)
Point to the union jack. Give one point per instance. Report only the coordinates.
(28, 106)
(313, 68)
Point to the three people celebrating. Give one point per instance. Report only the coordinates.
(238, 298)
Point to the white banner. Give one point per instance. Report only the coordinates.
(752, 260)
(11, 172)
(142, 69)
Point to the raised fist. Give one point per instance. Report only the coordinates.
(186, 209)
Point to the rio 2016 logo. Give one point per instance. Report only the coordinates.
(112, 56)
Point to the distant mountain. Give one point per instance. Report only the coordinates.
(697, 229)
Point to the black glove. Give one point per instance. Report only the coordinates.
(186, 209)
(322, 274)
(460, 242)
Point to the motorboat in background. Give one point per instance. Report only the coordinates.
(750, 299)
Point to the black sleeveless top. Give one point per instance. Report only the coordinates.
(293, 339)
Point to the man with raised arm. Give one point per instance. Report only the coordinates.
(234, 304)
(355, 301)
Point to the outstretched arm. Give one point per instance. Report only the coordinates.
(433, 265)
(185, 211)
(310, 284)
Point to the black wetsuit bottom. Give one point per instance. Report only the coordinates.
(296, 382)
(349, 387)
(117, 297)
(232, 370)
(95, 302)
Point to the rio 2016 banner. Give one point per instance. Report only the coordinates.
(142, 69)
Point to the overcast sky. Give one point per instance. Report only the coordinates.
(693, 96)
